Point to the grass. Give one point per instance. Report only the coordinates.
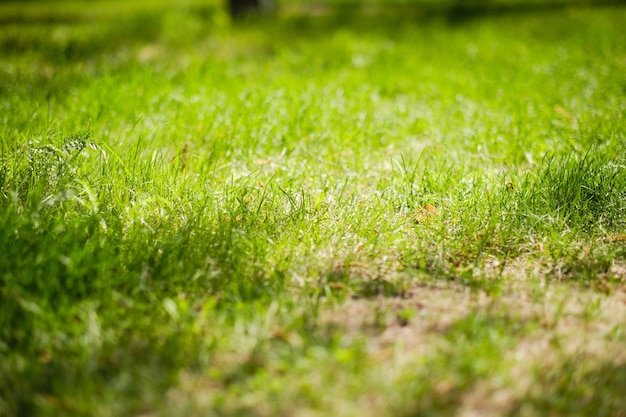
(384, 210)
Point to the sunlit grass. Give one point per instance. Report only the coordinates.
(335, 211)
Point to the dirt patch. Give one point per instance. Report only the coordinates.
(565, 322)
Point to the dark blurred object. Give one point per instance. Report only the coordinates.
(464, 10)
(239, 8)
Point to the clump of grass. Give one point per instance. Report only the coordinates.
(42, 169)
(563, 201)
(585, 193)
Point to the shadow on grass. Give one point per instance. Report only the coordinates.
(477, 345)
(474, 351)
(305, 20)
(87, 301)
(56, 44)
(69, 378)
(390, 17)
(77, 39)
(575, 390)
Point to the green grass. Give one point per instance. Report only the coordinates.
(383, 210)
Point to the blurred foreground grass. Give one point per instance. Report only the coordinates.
(334, 212)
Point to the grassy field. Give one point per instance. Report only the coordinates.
(374, 211)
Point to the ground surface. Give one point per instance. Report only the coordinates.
(383, 210)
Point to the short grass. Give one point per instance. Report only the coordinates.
(385, 210)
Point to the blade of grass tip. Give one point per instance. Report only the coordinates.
(342, 191)
(264, 192)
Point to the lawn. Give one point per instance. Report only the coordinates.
(341, 210)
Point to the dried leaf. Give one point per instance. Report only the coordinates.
(423, 213)
(616, 238)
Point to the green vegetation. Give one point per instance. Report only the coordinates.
(385, 210)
